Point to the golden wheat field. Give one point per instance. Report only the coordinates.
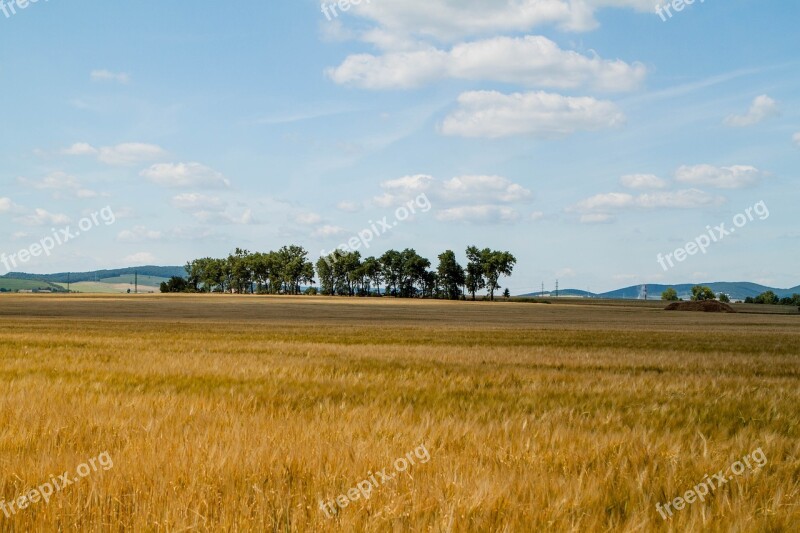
(227, 413)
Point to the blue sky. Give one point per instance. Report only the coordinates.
(586, 137)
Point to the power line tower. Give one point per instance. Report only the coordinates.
(543, 289)
(556, 288)
(135, 282)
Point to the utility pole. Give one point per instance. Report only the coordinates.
(543, 289)
(556, 288)
(68, 291)
(135, 282)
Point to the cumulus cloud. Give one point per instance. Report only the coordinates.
(478, 214)
(599, 209)
(532, 61)
(469, 198)
(328, 231)
(487, 188)
(107, 75)
(7, 206)
(796, 139)
(138, 234)
(400, 22)
(211, 209)
(140, 258)
(491, 114)
(307, 219)
(42, 217)
(762, 108)
(59, 184)
(348, 207)
(734, 177)
(642, 181)
(121, 154)
(197, 202)
(185, 175)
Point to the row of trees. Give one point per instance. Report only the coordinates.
(701, 293)
(770, 298)
(403, 274)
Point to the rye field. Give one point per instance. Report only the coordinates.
(228, 413)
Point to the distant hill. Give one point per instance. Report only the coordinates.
(97, 275)
(736, 291)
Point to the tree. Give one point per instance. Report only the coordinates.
(451, 275)
(506, 294)
(701, 293)
(475, 272)
(768, 298)
(670, 295)
(724, 298)
(496, 264)
(175, 284)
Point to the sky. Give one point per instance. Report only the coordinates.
(601, 143)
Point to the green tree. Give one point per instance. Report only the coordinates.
(701, 293)
(175, 284)
(767, 298)
(496, 264)
(724, 298)
(451, 275)
(474, 280)
(670, 295)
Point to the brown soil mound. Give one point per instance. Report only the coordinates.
(709, 306)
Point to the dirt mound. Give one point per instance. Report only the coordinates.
(709, 306)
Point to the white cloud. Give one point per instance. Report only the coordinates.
(59, 184)
(185, 175)
(129, 153)
(80, 149)
(7, 206)
(598, 208)
(307, 219)
(121, 154)
(197, 202)
(478, 214)
(733, 177)
(468, 198)
(642, 181)
(762, 108)
(544, 115)
(532, 61)
(138, 234)
(140, 258)
(398, 22)
(328, 231)
(107, 75)
(536, 216)
(483, 188)
(42, 217)
(348, 207)
(597, 218)
(796, 139)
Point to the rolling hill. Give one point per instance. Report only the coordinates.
(735, 290)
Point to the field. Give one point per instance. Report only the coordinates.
(227, 413)
(12, 285)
